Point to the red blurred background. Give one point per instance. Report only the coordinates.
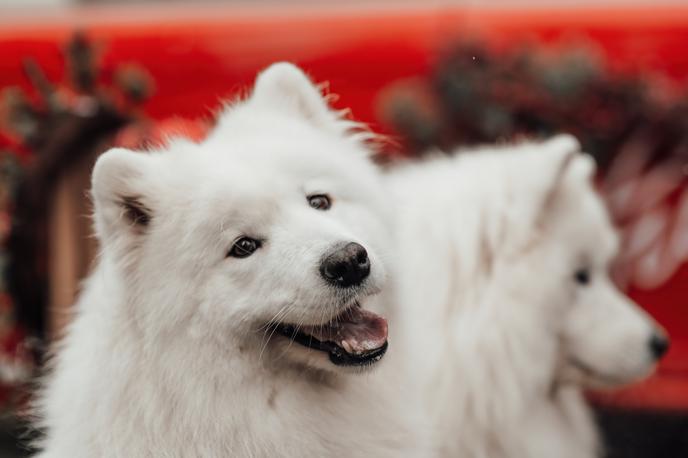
(197, 56)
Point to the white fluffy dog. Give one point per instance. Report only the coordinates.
(233, 307)
(230, 313)
(504, 285)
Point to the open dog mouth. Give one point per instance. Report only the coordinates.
(356, 337)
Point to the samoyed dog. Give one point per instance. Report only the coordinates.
(504, 285)
(232, 312)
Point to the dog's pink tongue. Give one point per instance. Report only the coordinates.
(356, 331)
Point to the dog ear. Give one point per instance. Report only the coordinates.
(285, 86)
(121, 194)
(563, 156)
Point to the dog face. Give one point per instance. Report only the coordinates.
(267, 236)
(604, 338)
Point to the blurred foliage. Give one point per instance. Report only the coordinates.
(476, 95)
(45, 130)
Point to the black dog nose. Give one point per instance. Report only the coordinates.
(659, 344)
(346, 266)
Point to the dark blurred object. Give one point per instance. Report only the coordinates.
(16, 347)
(60, 126)
(640, 434)
(476, 96)
(9, 431)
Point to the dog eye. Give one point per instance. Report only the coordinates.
(582, 276)
(243, 247)
(320, 201)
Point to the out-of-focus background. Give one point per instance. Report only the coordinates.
(77, 77)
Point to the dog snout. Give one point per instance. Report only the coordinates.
(346, 266)
(659, 344)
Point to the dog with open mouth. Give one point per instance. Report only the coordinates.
(238, 297)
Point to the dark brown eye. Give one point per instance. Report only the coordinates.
(582, 276)
(243, 247)
(319, 201)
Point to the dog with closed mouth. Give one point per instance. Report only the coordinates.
(235, 306)
(504, 267)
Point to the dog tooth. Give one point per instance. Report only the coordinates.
(345, 345)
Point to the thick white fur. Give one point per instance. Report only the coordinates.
(168, 354)
(489, 242)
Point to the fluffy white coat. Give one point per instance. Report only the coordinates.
(504, 286)
(169, 353)
(474, 260)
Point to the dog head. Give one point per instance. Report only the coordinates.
(604, 338)
(268, 236)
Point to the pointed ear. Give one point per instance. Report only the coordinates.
(563, 154)
(285, 86)
(121, 194)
